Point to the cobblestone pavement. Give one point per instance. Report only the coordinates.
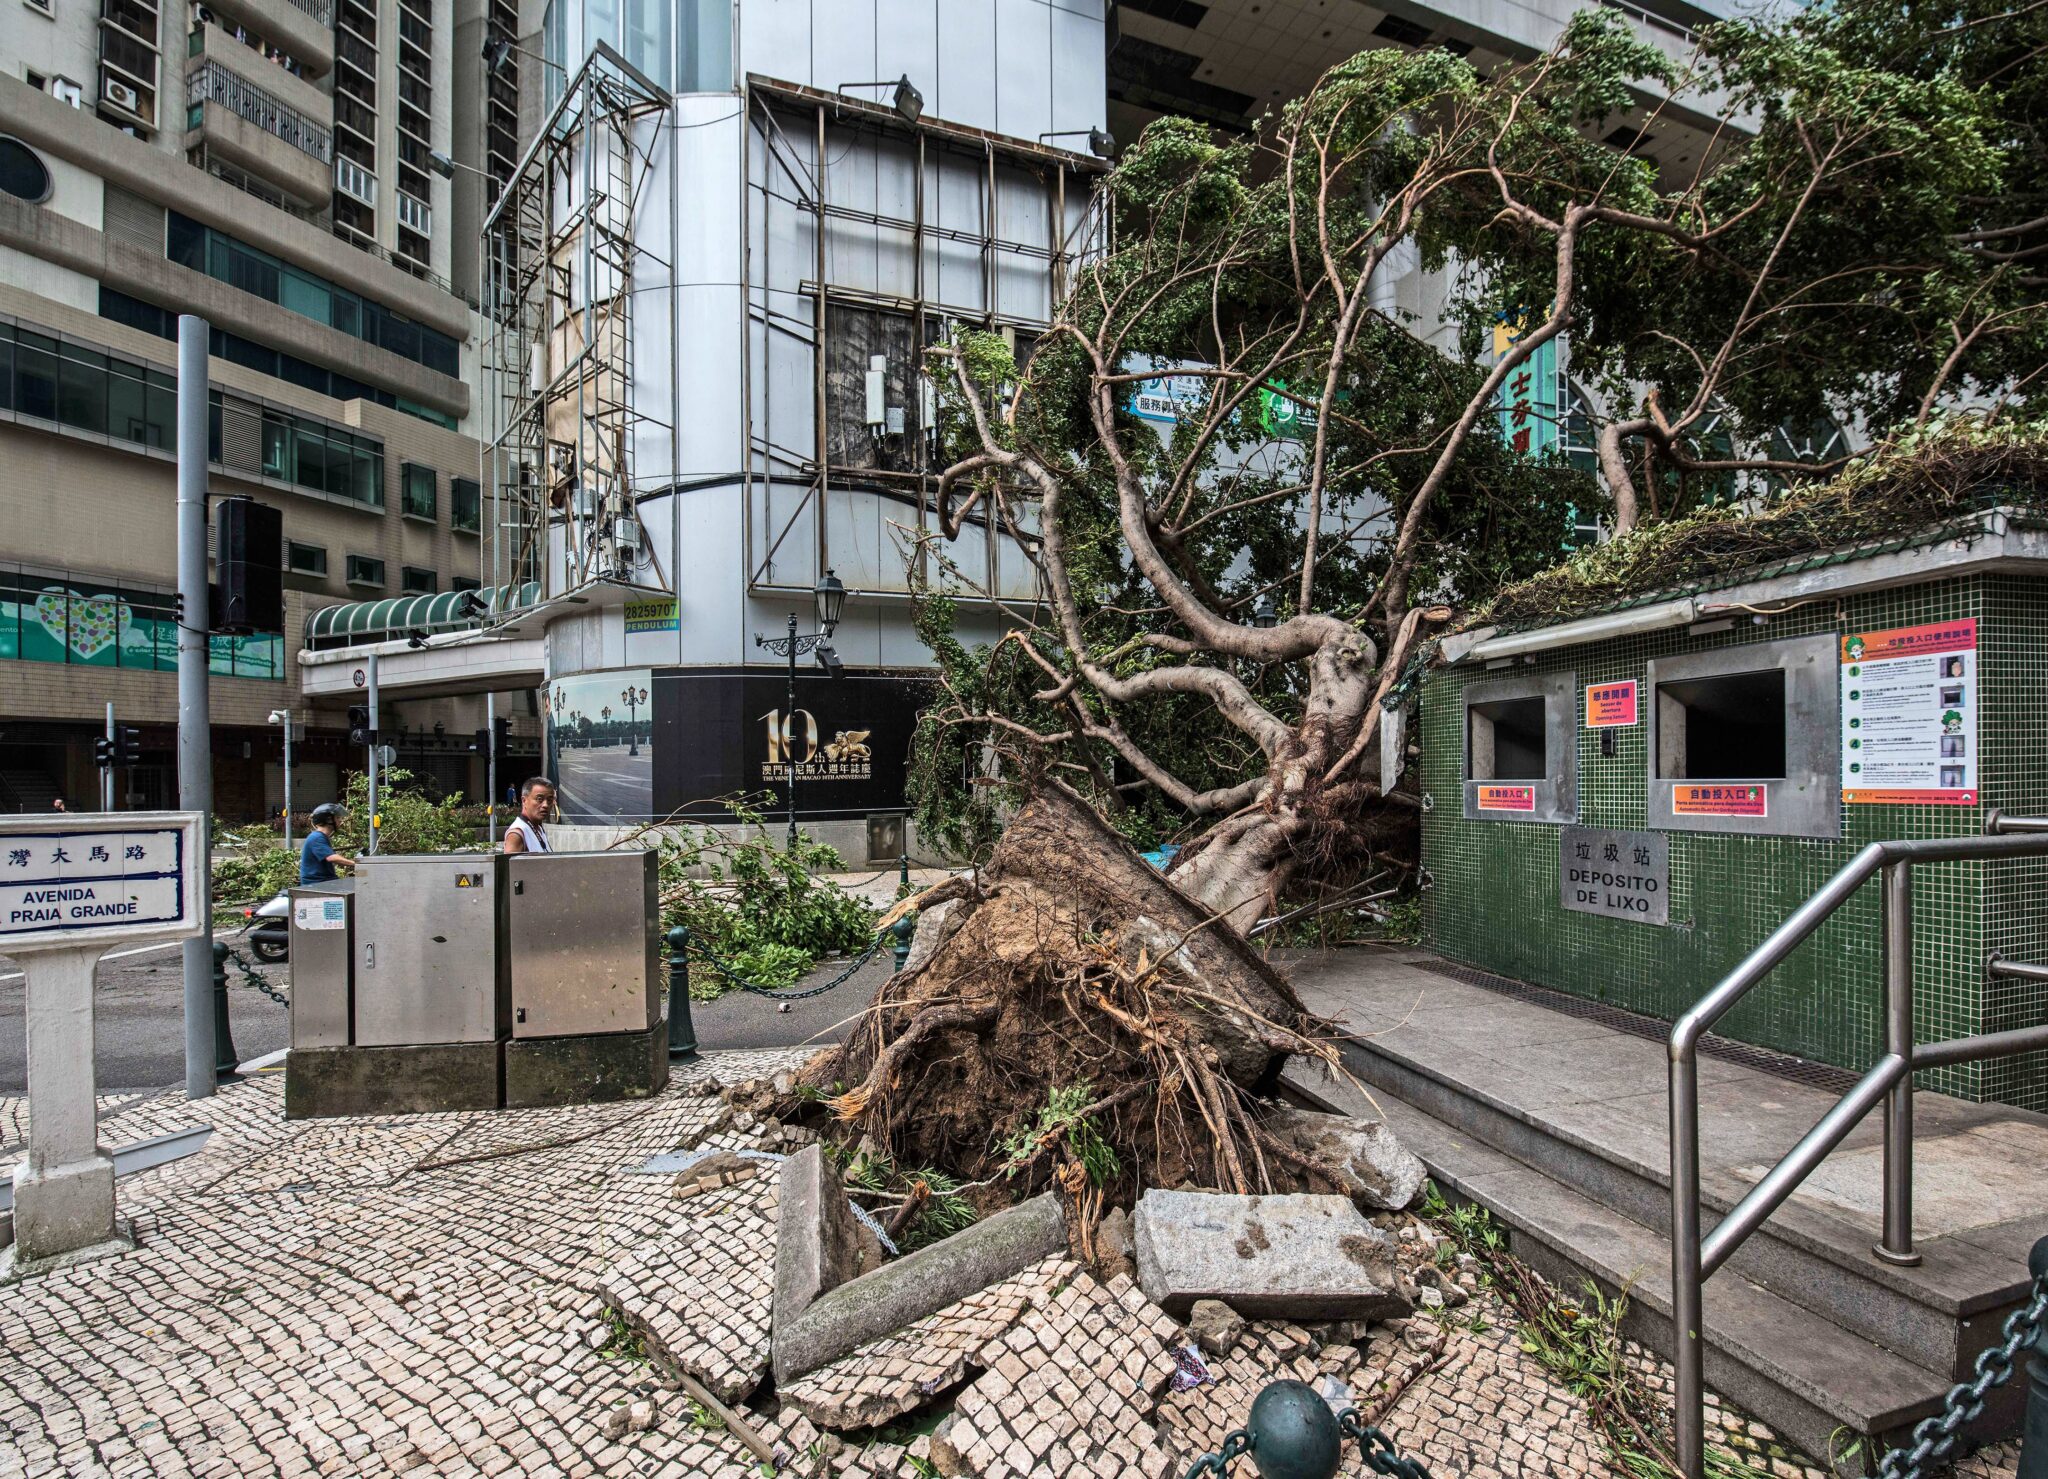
(478, 1294)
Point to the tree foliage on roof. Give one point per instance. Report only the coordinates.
(1909, 489)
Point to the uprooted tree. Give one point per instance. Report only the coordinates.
(1230, 590)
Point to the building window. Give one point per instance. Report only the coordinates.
(1521, 755)
(22, 171)
(221, 257)
(413, 581)
(297, 450)
(136, 314)
(465, 583)
(363, 570)
(1731, 726)
(305, 559)
(465, 505)
(421, 495)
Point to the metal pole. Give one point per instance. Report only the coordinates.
(287, 780)
(1897, 1246)
(195, 730)
(107, 770)
(376, 741)
(1688, 1356)
(491, 768)
(790, 732)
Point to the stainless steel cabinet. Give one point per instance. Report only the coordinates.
(579, 943)
(323, 955)
(426, 956)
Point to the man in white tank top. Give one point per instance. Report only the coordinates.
(529, 830)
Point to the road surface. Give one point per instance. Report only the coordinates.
(598, 784)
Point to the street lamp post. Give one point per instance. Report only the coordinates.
(634, 698)
(284, 717)
(831, 599)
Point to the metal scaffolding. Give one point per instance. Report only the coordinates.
(793, 133)
(565, 246)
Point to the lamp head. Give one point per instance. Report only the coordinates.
(831, 601)
(909, 101)
(1102, 143)
(496, 49)
(1265, 613)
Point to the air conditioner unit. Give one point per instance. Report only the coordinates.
(121, 95)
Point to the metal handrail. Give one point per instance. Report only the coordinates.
(1889, 1081)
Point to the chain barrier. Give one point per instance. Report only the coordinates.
(1296, 1434)
(1935, 1439)
(1377, 1449)
(774, 994)
(252, 977)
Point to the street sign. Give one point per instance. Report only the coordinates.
(69, 881)
(358, 678)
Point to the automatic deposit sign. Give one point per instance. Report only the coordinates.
(1611, 705)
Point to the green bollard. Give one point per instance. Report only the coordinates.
(1294, 1434)
(905, 930)
(682, 1033)
(902, 874)
(226, 1059)
(2034, 1435)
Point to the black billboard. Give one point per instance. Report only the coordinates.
(718, 732)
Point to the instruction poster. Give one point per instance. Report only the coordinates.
(1909, 715)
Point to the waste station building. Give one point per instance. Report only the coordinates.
(1623, 805)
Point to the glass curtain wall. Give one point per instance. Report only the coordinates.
(684, 45)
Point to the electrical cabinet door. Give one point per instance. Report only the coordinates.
(427, 949)
(580, 943)
(323, 935)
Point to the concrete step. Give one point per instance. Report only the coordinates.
(1937, 1315)
(1818, 1385)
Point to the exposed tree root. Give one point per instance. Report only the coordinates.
(1069, 961)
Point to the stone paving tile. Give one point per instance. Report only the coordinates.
(701, 1291)
(899, 1373)
(380, 1317)
(1070, 1388)
(14, 1116)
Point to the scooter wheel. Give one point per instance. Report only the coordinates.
(271, 952)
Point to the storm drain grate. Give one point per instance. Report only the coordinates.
(1651, 1029)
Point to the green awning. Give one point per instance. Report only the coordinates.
(362, 623)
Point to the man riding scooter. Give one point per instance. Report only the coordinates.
(269, 927)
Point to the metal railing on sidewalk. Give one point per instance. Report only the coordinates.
(1888, 1082)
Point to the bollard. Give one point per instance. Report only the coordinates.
(1294, 1434)
(905, 930)
(682, 1033)
(902, 874)
(226, 1059)
(2034, 1435)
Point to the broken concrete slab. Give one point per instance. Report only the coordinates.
(1215, 1326)
(817, 1239)
(1315, 1084)
(1301, 1256)
(919, 1284)
(905, 1370)
(1376, 1171)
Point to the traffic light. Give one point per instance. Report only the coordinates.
(497, 740)
(123, 747)
(359, 731)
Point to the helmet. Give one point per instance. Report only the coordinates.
(325, 815)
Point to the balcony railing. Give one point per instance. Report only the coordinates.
(216, 84)
(321, 11)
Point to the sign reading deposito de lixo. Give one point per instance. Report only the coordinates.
(1623, 875)
(77, 880)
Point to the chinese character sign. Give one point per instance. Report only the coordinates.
(1527, 400)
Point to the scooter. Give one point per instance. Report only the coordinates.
(269, 928)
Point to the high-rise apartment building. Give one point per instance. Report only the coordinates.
(270, 165)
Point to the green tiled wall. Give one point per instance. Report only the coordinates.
(1493, 899)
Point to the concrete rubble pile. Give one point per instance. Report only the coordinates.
(997, 1351)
